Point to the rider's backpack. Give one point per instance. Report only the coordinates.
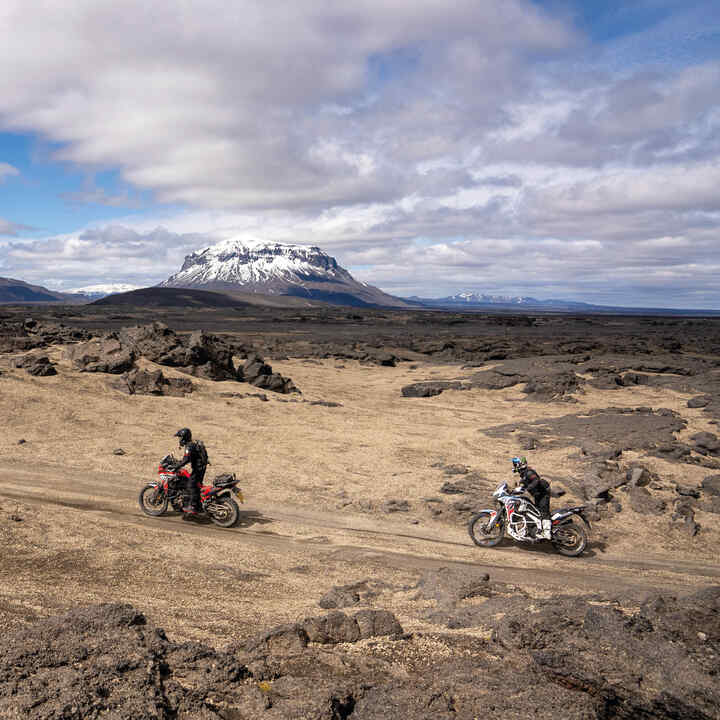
(202, 452)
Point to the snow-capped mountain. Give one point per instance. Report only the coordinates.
(95, 292)
(471, 298)
(271, 268)
(481, 300)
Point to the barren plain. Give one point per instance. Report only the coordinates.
(357, 497)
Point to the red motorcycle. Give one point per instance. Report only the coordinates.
(216, 500)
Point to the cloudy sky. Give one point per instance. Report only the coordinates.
(555, 148)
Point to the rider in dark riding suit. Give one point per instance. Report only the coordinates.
(194, 457)
(532, 483)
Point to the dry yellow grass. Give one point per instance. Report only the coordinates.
(83, 539)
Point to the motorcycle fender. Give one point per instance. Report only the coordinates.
(567, 518)
(493, 516)
(154, 483)
(222, 493)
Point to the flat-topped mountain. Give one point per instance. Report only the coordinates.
(270, 268)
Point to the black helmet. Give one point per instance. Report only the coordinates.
(185, 436)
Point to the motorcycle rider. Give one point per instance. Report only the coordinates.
(531, 482)
(198, 464)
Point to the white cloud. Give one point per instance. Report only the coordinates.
(7, 170)
(226, 107)
(428, 143)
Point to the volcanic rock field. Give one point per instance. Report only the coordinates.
(364, 440)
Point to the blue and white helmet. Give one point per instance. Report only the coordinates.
(519, 464)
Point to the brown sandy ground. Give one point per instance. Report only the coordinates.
(315, 479)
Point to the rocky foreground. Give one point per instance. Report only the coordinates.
(592, 656)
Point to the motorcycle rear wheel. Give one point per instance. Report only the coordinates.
(477, 529)
(153, 500)
(570, 538)
(223, 512)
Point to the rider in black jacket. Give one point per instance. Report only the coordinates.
(194, 457)
(531, 482)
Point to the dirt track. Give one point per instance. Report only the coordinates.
(273, 530)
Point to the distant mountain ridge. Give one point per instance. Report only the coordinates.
(273, 268)
(472, 299)
(14, 291)
(480, 301)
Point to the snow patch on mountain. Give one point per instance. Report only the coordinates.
(252, 262)
(104, 289)
(482, 299)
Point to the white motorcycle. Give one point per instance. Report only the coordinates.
(516, 515)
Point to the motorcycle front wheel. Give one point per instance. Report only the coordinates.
(153, 500)
(223, 512)
(480, 533)
(570, 538)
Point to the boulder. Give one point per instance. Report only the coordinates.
(199, 354)
(156, 342)
(712, 505)
(494, 380)
(646, 664)
(632, 378)
(687, 490)
(386, 360)
(258, 373)
(638, 476)
(706, 441)
(143, 382)
(359, 593)
(711, 485)
(553, 386)
(281, 640)
(106, 355)
(683, 517)
(335, 627)
(699, 401)
(254, 366)
(212, 355)
(431, 388)
(37, 365)
(600, 478)
(374, 623)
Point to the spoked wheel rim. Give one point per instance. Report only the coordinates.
(153, 500)
(570, 539)
(224, 512)
(481, 534)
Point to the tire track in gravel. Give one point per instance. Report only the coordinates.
(378, 541)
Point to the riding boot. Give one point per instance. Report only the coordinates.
(547, 529)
